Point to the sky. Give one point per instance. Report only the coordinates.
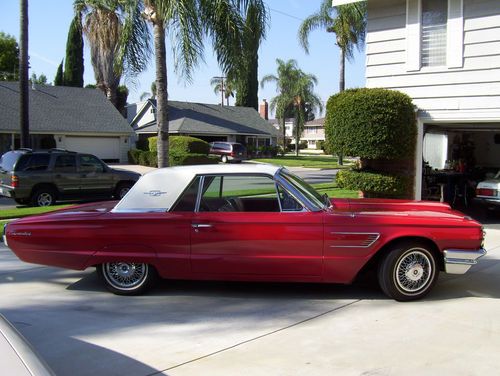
(49, 22)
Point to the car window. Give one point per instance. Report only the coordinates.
(239, 194)
(65, 163)
(238, 148)
(187, 201)
(8, 161)
(287, 201)
(33, 162)
(90, 163)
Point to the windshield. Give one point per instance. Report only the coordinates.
(307, 190)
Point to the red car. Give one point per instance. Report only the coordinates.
(250, 223)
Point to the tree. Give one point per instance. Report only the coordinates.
(24, 119)
(253, 33)
(122, 96)
(282, 103)
(188, 21)
(58, 80)
(304, 101)
(347, 22)
(151, 95)
(39, 80)
(9, 58)
(118, 38)
(74, 67)
(225, 87)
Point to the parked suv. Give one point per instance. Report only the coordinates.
(228, 151)
(40, 178)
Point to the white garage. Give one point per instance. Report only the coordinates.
(106, 148)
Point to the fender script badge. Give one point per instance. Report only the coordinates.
(155, 193)
(26, 233)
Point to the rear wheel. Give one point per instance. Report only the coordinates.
(408, 271)
(126, 278)
(43, 197)
(224, 159)
(121, 190)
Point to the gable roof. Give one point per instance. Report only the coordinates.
(201, 118)
(61, 109)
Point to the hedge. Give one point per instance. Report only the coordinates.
(150, 158)
(371, 124)
(374, 184)
(182, 145)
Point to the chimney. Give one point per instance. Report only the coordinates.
(264, 110)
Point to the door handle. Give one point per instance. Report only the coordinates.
(201, 225)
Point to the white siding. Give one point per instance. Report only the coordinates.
(471, 84)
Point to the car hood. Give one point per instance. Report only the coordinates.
(401, 211)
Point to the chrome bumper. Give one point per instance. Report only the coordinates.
(459, 261)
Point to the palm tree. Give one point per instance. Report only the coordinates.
(188, 22)
(287, 73)
(118, 38)
(23, 78)
(225, 87)
(303, 98)
(347, 22)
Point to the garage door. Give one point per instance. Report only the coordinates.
(107, 148)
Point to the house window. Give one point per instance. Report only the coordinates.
(434, 32)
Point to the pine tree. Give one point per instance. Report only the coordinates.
(73, 69)
(58, 80)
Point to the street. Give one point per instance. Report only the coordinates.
(219, 328)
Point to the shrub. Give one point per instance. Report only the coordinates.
(374, 184)
(371, 124)
(320, 145)
(182, 144)
(133, 156)
(303, 145)
(142, 144)
(191, 159)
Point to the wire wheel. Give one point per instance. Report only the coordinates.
(413, 270)
(125, 276)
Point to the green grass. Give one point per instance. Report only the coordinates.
(332, 190)
(24, 212)
(317, 161)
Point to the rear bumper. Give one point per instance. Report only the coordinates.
(459, 261)
(491, 202)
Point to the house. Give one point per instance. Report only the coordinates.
(445, 54)
(208, 122)
(70, 118)
(313, 133)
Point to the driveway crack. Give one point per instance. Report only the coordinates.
(255, 338)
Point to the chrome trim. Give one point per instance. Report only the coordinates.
(459, 261)
(199, 194)
(201, 225)
(367, 245)
(4, 237)
(306, 204)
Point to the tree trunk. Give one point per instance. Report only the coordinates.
(284, 133)
(342, 71)
(161, 95)
(296, 136)
(23, 78)
(341, 89)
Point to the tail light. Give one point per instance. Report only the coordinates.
(486, 192)
(14, 181)
(233, 154)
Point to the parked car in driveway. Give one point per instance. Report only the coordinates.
(252, 222)
(40, 178)
(17, 357)
(488, 192)
(228, 151)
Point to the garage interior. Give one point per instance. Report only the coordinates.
(456, 158)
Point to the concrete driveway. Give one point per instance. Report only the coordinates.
(201, 328)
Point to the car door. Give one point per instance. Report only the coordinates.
(95, 178)
(66, 177)
(240, 231)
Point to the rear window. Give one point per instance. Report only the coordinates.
(238, 148)
(33, 162)
(8, 160)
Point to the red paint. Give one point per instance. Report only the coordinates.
(329, 246)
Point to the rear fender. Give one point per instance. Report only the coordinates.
(138, 253)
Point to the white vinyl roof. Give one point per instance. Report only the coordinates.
(159, 189)
(342, 2)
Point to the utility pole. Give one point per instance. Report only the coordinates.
(23, 78)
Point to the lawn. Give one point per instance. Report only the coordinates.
(316, 161)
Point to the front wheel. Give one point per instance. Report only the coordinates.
(408, 272)
(126, 278)
(43, 197)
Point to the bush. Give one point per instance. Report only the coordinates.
(374, 184)
(133, 156)
(320, 145)
(191, 159)
(182, 144)
(303, 145)
(142, 144)
(371, 124)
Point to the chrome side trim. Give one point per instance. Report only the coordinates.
(459, 261)
(367, 243)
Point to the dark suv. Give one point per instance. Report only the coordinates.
(228, 151)
(40, 178)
